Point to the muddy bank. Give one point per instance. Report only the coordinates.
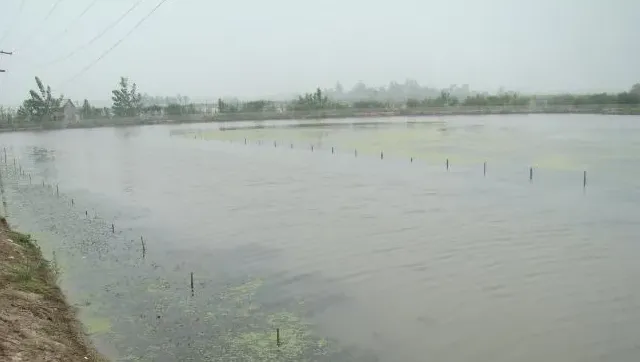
(36, 323)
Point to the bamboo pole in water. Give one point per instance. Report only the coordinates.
(192, 292)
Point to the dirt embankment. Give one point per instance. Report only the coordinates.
(36, 323)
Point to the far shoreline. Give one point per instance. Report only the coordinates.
(319, 115)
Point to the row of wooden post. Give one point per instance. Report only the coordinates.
(484, 171)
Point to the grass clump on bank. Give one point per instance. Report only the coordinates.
(36, 323)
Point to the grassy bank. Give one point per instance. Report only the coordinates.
(36, 323)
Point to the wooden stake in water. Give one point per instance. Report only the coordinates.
(411, 159)
(113, 228)
(381, 155)
(584, 179)
(86, 213)
(42, 183)
(144, 251)
(292, 145)
(278, 337)
(447, 164)
(245, 141)
(29, 179)
(192, 293)
(485, 168)
(72, 202)
(530, 174)
(311, 148)
(274, 143)
(57, 191)
(355, 152)
(332, 150)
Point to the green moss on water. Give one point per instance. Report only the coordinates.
(255, 338)
(244, 291)
(97, 325)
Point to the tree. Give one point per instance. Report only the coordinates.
(635, 89)
(412, 103)
(255, 106)
(174, 109)
(41, 106)
(126, 103)
(6, 115)
(86, 109)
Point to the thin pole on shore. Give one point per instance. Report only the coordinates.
(530, 174)
(57, 190)
(411, 159)
(311, 148)
(447, 164)
(292, 145)
(192, 292)
(274, 143)
(584, 179)
(72, 202)
(278, 337)
(332, 150)
(86, 213)
(485, 168)
(144, 252)
(113, 228)
(245, 141)
(355, 152)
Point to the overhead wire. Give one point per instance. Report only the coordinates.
(75, 20)
(116, 44)
(13, 23)
(41, 24)
(95, 38)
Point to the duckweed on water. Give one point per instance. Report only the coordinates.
(148, 314)
(97, 325)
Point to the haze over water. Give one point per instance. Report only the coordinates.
(385, 259)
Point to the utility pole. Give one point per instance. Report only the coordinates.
(5, 53)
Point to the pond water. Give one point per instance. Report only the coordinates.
(305, 228)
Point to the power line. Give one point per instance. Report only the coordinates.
(35, 32)
(74, 21)
(117, 43)
(13, 23)
(101, 34)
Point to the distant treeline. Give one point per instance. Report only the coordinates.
(42, 106)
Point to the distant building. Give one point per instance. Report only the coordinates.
(68, 113)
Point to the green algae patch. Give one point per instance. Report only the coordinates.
(244, 291)
(97, 325)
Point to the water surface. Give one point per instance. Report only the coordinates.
(354, 258)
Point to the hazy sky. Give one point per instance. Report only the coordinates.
(247, 48)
